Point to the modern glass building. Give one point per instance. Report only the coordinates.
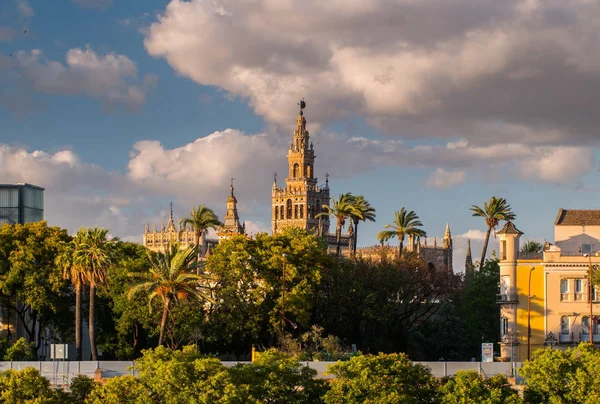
(21, 203)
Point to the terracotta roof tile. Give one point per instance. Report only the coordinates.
(509, 228)
(577, 217)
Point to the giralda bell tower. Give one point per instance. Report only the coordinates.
(302, 198)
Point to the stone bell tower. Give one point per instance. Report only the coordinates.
(297, 204)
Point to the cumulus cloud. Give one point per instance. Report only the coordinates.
(442, 178)
(6, 33)
(111, 78)
(488, 71)
(24, 8)
(95, 4)
(473, 234)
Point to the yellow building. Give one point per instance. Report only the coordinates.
(549, 290)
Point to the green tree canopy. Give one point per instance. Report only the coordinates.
(381, 379)
(469, 387)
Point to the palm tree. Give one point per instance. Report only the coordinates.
(405, 223)
(531, 247)
(93, 255)
(362, 211)
(493, 211)
(201, 219)
(169, 279)
(75, 273)
(341, 208)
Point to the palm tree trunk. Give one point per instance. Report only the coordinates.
(355, 238)
(198, 246)
(485, 246)
(401, 247)
(91, 323)
(78, 322)
(163, 321)
(338, 239)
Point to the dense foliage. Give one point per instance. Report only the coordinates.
(269, 291)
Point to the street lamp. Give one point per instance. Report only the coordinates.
(591, 297)
(283, 294)
(529, 314)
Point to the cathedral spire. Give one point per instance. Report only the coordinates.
(231, 222)
(447, 241)
(469, 258)
(171, 225)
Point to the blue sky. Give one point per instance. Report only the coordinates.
(118, 107)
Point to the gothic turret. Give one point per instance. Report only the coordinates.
(171, 224)
(231, 224)
(469, 259)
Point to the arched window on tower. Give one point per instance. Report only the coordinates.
(296, 171)
(276, 212)
(289, 209)
(295, 211)
(281, 216)
(308, 171)
(301, 211)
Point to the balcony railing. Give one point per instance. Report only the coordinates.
(505, 298)
(586, 338)
(566, 337)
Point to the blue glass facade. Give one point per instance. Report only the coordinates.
(21, 203)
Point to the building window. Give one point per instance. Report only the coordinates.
(586, 249)
(585, 328)
(276, 212)
(565, 328)
(596, 292)
(505, 285)
(301, 211)
(564, 290)
(308, 171)
(503, 326)
(596, 329)
(289, 209)
(295, 211)
(503, 250)
(281, 216)
(295, 172)
(578, 290)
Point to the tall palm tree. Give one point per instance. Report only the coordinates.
(169, 279)
(362, 211)
(93, 255)
(531, 247)
(341, 208)
(405, 223)
(494, 210)
(201, 219)
(73, 271)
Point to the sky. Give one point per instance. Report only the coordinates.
(119, 107)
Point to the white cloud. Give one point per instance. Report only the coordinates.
(111, 78)
(473, 234)
(6, 33)
(442, 178)
(24, 8)
(433, 68)
(559, 165)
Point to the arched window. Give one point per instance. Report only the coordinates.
(296, 171)
(308, 171)
(289, 209)
(276, 212)
(565, 328)
(295, 211)
(281, 216)
(301, 211)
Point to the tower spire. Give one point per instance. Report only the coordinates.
(469, 258)
(231, 186)
(171, 225)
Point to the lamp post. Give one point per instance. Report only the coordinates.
(591, 297)
(283, 295)
(529, 314)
